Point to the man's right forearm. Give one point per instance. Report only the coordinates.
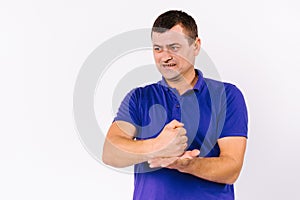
(121, 150)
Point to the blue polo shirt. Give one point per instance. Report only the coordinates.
(209, 111)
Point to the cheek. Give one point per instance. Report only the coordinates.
(186, 57)
(182, 57)
(156, 57)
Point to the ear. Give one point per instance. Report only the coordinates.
(197, 46)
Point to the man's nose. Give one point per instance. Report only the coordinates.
(166, 56)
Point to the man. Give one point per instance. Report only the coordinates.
(186, 134)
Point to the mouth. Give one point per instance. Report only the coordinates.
(169, 65)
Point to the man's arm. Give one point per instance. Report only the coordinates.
(223, 169)
(122, 150)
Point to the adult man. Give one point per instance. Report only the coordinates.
(186, 135)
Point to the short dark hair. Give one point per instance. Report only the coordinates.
(172, 18)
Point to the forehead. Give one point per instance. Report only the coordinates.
(174, 35)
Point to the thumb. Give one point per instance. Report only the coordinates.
(195, 152)
(190, 154)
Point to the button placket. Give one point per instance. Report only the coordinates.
(176, 112)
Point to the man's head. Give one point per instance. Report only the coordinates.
(172, 18)
(175, 44)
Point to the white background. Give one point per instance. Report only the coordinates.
(254, 44)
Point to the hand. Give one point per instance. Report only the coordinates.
(174, 162)
(172, 141)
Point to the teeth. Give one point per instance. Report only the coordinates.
(169, 65)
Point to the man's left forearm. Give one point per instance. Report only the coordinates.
(217, 169)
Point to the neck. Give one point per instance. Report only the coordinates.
(184, 83)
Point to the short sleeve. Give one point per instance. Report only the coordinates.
(128, 110)
(233, 119)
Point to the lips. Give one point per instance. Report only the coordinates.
(169, 65)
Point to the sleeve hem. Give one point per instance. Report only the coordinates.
(238, 134)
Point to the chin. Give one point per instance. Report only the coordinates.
(171, 75)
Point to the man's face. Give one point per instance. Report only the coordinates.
(174, 56)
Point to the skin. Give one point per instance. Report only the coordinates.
(174, 58)
(121, 150)
(223, 169)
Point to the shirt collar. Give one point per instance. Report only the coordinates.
(197, 86)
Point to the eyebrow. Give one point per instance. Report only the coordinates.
(173, 44)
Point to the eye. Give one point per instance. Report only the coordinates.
(175, 48)
(157, 49)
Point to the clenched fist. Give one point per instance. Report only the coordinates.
(172, 141)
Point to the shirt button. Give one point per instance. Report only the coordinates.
(177, 106)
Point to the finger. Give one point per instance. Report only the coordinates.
(161, 162)
(154, 163)
(168, 161)
(185, 145)
(184, 139)
(181, 130)
(174, 124)
(154, 160)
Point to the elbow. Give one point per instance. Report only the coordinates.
(107, 156)
(112, 157)
(113, 164)
(230, 176)
(231, 180)
(234, 173)
(108, 160)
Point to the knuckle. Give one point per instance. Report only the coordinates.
(184, 139)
